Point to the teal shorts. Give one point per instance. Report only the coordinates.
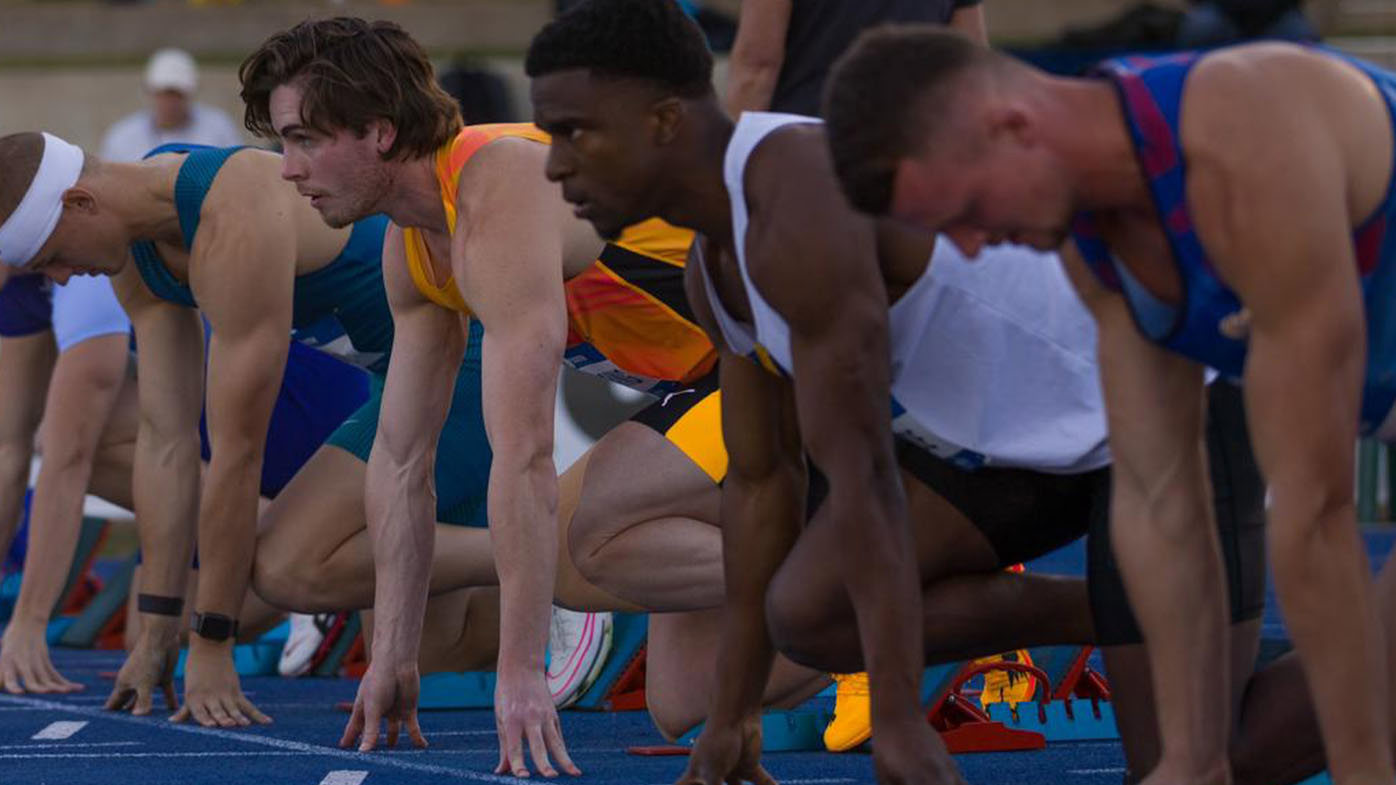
(463, 453)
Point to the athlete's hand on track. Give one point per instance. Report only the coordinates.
(25, 664)
(150, 665)
(212, 694)
(911, 753)
(728, 754)
(388, 692)
(523, 709)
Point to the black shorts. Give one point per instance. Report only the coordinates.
(1026, 514)
(691, 418)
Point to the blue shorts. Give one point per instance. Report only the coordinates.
(317, 393)
(26, 306)
(463, 453)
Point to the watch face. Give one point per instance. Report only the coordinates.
(214, 626)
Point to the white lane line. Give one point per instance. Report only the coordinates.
(1116, 770)
(362, 758)
(344, 777)
(58, 731)
(75, 745)
(115, 755)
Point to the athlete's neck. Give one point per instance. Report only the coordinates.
(141, 196)
(698, 194)
(414, 196)
(1087, 127)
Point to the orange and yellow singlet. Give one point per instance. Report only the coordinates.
(628, 317)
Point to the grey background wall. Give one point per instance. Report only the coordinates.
(74, 66)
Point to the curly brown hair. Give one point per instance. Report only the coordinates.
(352, 72)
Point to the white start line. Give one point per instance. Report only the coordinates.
(58, 731)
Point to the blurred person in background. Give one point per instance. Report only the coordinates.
(1211, 23)
(171, 113)
(784, 48)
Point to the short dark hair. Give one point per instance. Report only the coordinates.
(20, 156)
(645, 39)
(885, 98)
(352, 72)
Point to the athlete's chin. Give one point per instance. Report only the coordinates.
(607, 229)
(336, 219)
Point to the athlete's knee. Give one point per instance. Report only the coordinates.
(673, 712)
(276, 579)
(303, 585)
(798, 622)
(587, 537)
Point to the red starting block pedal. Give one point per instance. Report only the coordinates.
(1068, 716)
(967, 728)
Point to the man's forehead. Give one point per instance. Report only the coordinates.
(577, 89)
(284, 105)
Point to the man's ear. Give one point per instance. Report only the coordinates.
(1014, 121)
(668, 116)
(384, 135)
(79, 198)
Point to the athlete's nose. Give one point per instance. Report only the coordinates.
(556, 168)
(292, 168)
(58, 274)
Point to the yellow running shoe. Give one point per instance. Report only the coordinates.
(1008, 687)
(852, 722)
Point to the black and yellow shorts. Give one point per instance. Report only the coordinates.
(691, 419)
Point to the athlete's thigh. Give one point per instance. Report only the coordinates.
(321, 507)
(635, 474)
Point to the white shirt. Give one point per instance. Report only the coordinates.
(993, 360)
(134, 135)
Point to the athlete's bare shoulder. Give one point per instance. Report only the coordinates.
(504, 159)
(250, 184)
(792, 155)
(1259, 108)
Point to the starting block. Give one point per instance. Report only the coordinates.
(104, 617)
(464, 690)
(965, 727)
(1066, 716)
(258, 658)
(621, 684)
(79, 586)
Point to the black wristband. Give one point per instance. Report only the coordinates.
(160, 606)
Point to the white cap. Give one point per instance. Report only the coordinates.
(171, 69)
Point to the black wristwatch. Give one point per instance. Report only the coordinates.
(213, 626)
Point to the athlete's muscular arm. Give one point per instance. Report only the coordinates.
(26, 363)
(400, 499)
(165, 483)
(1272, 200)
(86, 381)
(243, 281)
(842, 369)
(1162, 525)
(757, 55)
(762, 513)
(507, 255)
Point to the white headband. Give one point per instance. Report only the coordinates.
(29, 226)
